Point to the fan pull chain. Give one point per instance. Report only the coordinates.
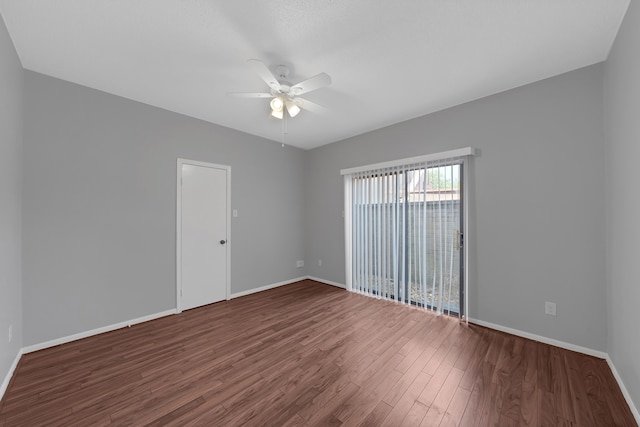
(284, 126)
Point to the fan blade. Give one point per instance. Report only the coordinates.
(264, 73)
(305, 104)
(316, 82)
(249, 95)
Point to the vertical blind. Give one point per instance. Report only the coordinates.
(405, 233)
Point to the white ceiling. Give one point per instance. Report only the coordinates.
(390, 60)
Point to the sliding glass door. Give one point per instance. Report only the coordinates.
(407, 235)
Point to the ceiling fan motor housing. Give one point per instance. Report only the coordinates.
(282, 71)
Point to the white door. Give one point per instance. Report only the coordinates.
(202, 234)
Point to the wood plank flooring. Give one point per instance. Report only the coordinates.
(309, 354)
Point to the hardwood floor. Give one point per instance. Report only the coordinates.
(309, 354)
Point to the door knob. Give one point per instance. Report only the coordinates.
(222, 242)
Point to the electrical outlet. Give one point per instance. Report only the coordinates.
(319, 263)
(300, 264)
(10, 332)
(550, 308)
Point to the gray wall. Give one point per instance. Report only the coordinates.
(622, 106)
(99, 206)
(11, 83)
(98, 211)
(537, 201)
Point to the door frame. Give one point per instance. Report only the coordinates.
(464, 155)
(227, 169)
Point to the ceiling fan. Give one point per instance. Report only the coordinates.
(285, 96)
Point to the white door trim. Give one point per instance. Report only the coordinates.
(179, 164)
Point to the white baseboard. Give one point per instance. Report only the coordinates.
(132, 322)
(540, 338)
(265, 288)
(12, 369)
(572, 347)
(625, 392)
(327, 282)
(96, 331)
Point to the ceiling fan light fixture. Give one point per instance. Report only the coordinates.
(276, 104)
(278, 114)
(292, 108)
